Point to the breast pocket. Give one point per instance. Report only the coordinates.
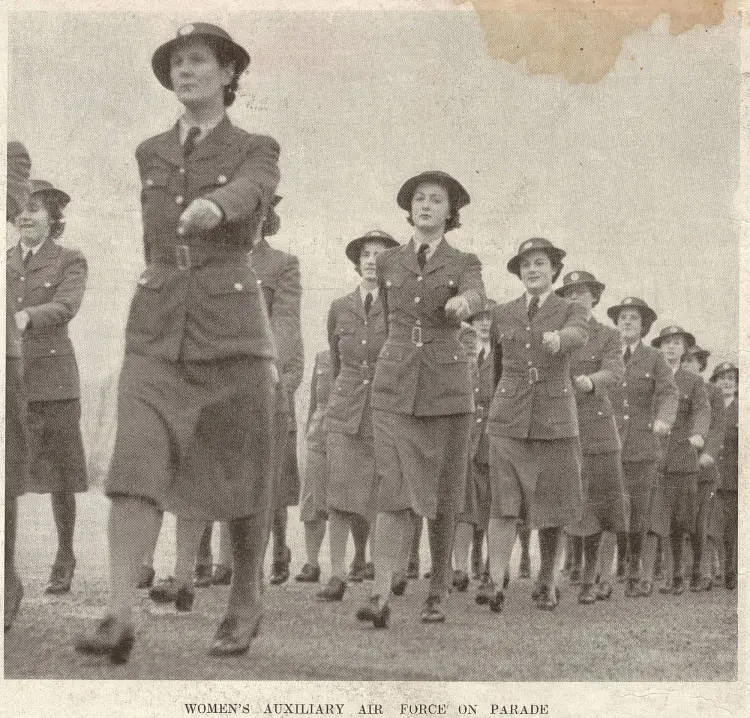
(559, 402)
(230, 299)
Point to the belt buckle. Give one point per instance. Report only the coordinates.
(182, 256)
(416, 336)
(534, 375)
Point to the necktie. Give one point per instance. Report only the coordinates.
(189, 144)
(422, 255)
(27, 257)
(533, 307)
(628, 353)
(368, 302)
(480, 358)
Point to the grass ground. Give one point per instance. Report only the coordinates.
(689, 638)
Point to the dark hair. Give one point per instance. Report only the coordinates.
(557, 265)
(454, 218)
(596, 293)
(57, 221)
(224, 56)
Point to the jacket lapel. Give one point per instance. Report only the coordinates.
(442, 256)
(169, 148)
(214, 142)
(548, 307)
(44, 257)
(408, 257)
(13, 260)
(354, 300)
(520, 311)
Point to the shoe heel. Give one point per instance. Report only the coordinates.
(184, 600)
(120, 652)
(381, 620)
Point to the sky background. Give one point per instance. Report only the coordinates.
(634, 176)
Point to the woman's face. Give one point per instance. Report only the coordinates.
(197, 77)
(430, 207)
(727, 382)
(370, 251)
(33, 222)
(673, 348)
(536, 271)
(692, 364)
(630, 324)
(582, 294)
(482, 323)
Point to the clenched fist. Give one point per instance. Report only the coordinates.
(458, 306)
(201, 215)
(661, 428)
(696, 441)
(706, 460)
(551, 342)
(583, 384)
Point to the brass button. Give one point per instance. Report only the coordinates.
(238, 286)
(365, 381)
(182, 170)
(417, 300)
(420, 278)
(179, 199)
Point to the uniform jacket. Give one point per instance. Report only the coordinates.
(534, 397)
(214, 310)
(693, 417)
(729, 449)
(279, 279)
(647, 392)
(484, 389)
(355, 339)
(601, 360)
(50, 288)
(423, 369)
(715, 435)
(320, 389)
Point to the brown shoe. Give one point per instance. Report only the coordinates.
(632, 588)
(460, 580)
(604, 591)
(547, 600)
(587, 594)
(333, 591)
(61, 577)
(146, 575)
(234, 635)
(497, 602)
(645, 588)
(431, 611)
(485, 591)
(222, 575)
(308, 574)
(203, 577)
(376, 611)
(398, 584)
(109, 639)
(280, 569)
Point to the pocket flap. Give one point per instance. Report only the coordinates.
(228, 279)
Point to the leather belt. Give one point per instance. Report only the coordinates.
(419, 335)
(533, 374)
(192, 256)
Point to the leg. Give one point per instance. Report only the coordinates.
(360, 533)
(338, 535)
(440, 532)
(64, 512)
(189, 533)
(13, 588)
(524, 568)
(465, 532)
(315, 531)
(281, 553)
(501, 537)
(607, 549)
(549, 541)
(575, 543)
(622, 554)
(477, 542)
(416, 533)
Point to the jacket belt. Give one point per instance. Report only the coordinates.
(192, 256)
(419, 335)
(533, 374)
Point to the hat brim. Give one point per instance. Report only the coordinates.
(354, 248)
(160, 58)
(689, 338)
(459, 197)
(562, 291)
(514, 265)
(729, 370)
(646, 312)
(58, 196)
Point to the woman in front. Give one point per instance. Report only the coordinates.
(46, 283)
(356, 334)
(535, 453)
(196, 387)
(422, 395)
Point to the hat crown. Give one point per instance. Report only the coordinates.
(202, 28)
(38, 185)
(579, 276)
(535, 243)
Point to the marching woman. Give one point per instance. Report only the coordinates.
(16, 460)
(676, 499)
(645, 405)
(356, 334)
(535, 453)
(46, 283)
(597, 367)
(726, 376)
(422, 395)
(196, 386)
(708, 525)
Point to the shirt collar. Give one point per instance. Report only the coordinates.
(433, 245)
(542, 297)
(25, 249)
(364, 292)
(204, 127)
(728, 401)
(632, 346)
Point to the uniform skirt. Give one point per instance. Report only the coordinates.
(536, 481)
(477, 503)
(640, 485)
(605, 505)
(195, 437)
(16, 446)
(352, 482)
(312, 502)
(422, 462)
(675, 501)
(57, 462)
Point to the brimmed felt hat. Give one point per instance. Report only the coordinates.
(648, 314)
(272, 222)
(723, 368)
(354, 248)
(699, 353)
(532, 245)
(485, 309)
(578, 279)
(459, 197)
(38, 186)
(160, 58)
(673, 331)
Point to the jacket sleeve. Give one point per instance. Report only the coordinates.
(497, 351)
(612, 368)
(470, 284)
(313, 395)
(68, 294)
(700, 409)
(285, 323)
(666, 393)
(333, 342)
(253, 183)
(715, 436)
(575, 331)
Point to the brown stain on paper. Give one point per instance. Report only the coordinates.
(579, 39)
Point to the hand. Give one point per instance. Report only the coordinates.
(458, 306)
(22, 319)
(696, 441)
(274, 374)
(661, 428)
(584, 384)
(551, 342)
(706, 460)
(201, 215)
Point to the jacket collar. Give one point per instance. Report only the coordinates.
(171, 149)
(355, 303)
(442, 255)
(45, 256)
